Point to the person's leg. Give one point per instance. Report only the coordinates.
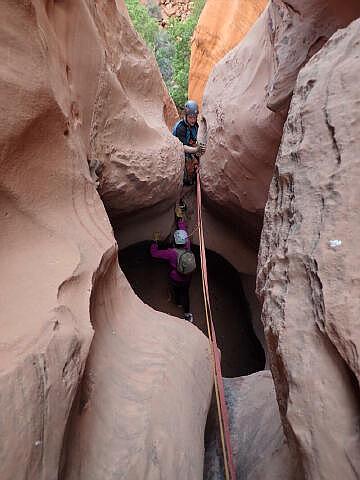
(195, 168)
(187, 178)
(176, 289)
(185, 298)
(187, 315)
(191, 170)
(182, 298)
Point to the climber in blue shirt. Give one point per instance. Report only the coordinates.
(186, 131)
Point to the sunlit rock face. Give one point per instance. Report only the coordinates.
(308, 272)
(221, 26)
(246, 100)
(75, 81)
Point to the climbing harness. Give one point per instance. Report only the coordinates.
(218, 380)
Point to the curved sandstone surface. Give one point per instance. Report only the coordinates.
(221, 26)
(260, 450)
(243, 134)
(309, 264)
(57, 80)
(140, 160)
(147, 386)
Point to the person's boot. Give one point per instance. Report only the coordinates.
(188, 317)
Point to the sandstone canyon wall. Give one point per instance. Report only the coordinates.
(222, 24)
(77, 88)
(259, 446)
(309, 263)
(245, 104)
(94, 383)
(307, 274)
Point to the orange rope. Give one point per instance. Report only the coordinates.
(219, 386)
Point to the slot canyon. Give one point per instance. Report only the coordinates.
(101, 377)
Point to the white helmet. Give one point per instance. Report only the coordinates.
(180, 237)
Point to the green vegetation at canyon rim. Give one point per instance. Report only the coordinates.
(171, 45)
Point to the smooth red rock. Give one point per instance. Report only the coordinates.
(78, 86)
(246, 100)
(221, 26)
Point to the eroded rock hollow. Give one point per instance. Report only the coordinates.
(233, 310)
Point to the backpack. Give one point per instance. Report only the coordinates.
(186, 262)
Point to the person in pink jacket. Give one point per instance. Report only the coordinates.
(179, 282)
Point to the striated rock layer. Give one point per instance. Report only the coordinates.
(243, 134)
(309, 264)
(68, 96)
(221, 26)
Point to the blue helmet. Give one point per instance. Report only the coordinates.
(191, 108)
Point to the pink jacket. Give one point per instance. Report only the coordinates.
(170, 256)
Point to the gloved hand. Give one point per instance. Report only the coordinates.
(156, 236)
(182, 205)
(179, 212)
(202, 148)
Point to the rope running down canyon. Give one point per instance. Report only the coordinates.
(219, 386)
